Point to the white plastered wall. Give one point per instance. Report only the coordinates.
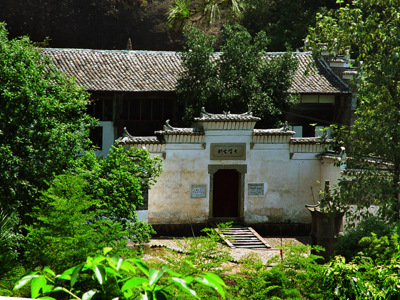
(290, 180)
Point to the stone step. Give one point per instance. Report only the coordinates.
(243, 237)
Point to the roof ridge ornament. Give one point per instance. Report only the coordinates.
(249, 112)
(129, 44)
(168, 127)
(203, 113)
(127, 134)
(285, 127)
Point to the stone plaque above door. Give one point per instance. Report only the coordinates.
(228, 151)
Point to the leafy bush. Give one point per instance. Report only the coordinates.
(9, 239)
(302, 276)
(123, 274)
(297, 276)
(348, 244)
(43, 124)
(69, 226)
(363, 278)
(202, 253)
(118, 182)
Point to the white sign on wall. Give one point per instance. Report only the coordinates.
(198, 191)
(256, 189)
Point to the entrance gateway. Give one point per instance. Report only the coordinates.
(227, 192)
(223, 169)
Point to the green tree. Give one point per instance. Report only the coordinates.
(68, 226)
(118, 182)
(43, 125)
(200, 12)
(241, 75)
(369, 31)
(286, 22)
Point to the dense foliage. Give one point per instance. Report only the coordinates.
(348, 244)
(238, 77)
(118, 181)
(368, 32)
(10, 239)
(206, 13)
(372, 273)
(69, 226)
(43, 125)
(286, 22)
(123, 274)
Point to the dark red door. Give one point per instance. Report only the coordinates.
(226, 193)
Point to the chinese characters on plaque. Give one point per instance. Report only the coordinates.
(231, 151)
(198, 191)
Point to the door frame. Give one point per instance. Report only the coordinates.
(242, 169)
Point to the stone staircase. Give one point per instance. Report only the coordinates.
(239, 236)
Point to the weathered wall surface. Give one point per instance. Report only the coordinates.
(290, 180)
(290, 185)
(170, 199)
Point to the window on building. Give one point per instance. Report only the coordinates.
(318, 99)
(147, 109)
(101, 109)
(142, 117)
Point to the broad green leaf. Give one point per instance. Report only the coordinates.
(112, 271)
(100, 274)
(126, 266)
(212, 281)
(98, 259)
(119, 264)
(88, 295)
(89, 261)
(154, 275)
(141, 265)
(48, 270)
(75, 273)
(148, 295)
(173, 273)
(66, 274)
(25, 280)
(47, 288)
(106, 250)
(47, 298)
(214, 278)
(127, 293)
(188, 279)
(133, 283)
(37, 284)
(185, 286)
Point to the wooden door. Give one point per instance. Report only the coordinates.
(226, 193)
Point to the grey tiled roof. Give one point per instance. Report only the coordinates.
(310, 140)
(150, 71)
(273, 132)
(227, 117)
(315, 76)
(119, 70)
(139, 140)
(180, 131)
